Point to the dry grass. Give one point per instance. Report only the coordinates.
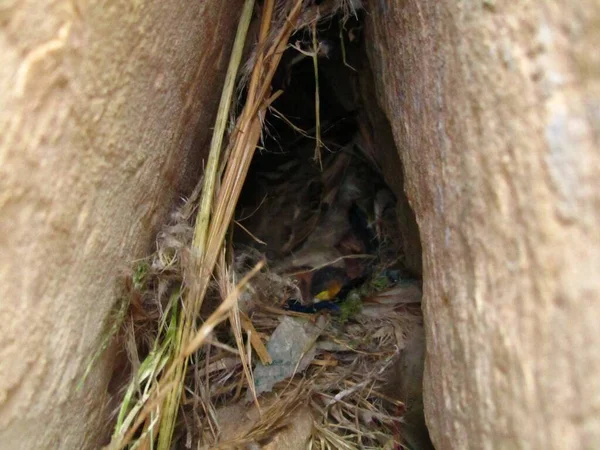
(184, 367)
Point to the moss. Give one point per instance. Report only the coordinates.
(379, 283)
(351, 306)
(140, 275)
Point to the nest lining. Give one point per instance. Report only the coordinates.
(262, 273)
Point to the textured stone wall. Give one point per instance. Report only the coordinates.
(495, 108)
(103, 104)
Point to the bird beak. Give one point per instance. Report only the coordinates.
(330, 293)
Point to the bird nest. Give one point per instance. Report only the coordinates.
(276, 310)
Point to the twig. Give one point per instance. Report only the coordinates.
(315, 56)
(210, 173)
(255, 340)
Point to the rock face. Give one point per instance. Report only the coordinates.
(102, 105)
(495, 110)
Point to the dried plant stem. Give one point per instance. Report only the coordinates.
(315, 56)
(220, 314)
(163, 394)
(187, 321)
(210, 173)
(255, 340)
(158, 392)
(226, 287)
(211, 238)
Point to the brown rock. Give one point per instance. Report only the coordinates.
(102, 107)
(494, 111)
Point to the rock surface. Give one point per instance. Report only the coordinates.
(495, 111)
(102, 105)
(494, 108)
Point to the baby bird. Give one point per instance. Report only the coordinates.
(318, 226)
(321, 285)
(343, 228)
(287, 202)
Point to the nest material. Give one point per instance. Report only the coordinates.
(345, 385)
(189, 368)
